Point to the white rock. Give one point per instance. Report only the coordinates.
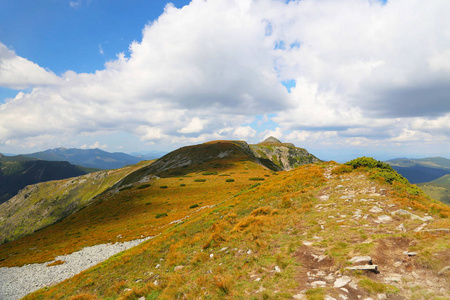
(300, 297)
(178, 268)
(318, 283)
(340, 282)
(277, 269)
(249, 252)
(327, 297)
(401, 228)
(381, 296)
(384, 218)
(361, 259)
(375, 209)
(211, 256)
(353, 285)
(344, 290)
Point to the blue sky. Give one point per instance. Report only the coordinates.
(341, 78)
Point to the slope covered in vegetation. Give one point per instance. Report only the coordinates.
(39, 205)
(16, 172)
(290, 235)
(438, 189)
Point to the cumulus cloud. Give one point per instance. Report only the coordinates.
(18, 73)
(362, 70)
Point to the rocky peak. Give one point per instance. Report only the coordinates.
(271, 139)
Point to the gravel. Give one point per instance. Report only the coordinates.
(17, 282)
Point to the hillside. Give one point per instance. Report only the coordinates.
(421, 170)
(438, 189)
(231, 228)
(89, 158)
(40, 205)
(16, 172)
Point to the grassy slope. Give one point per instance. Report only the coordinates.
(29, 210)
(250, 229)
(438, 189)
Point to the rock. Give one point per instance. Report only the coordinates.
(318, 283)
(277, 269)
(344, 290)
(401, 228)
(389, 278)
(384, 219)
(340, 282)
(142, 298)
(372, 268)
(375, 209)
(327, 297)
(300, 297)
(410, 253)
(367, 260)
(420, 227)
(353, 285)
(249, 252)
(402, 212)
(258, 279)
(306, 243)
(381, 296)
(224, 249)
(444, 270)
(178, 268)
(211, 256)
(158, 266)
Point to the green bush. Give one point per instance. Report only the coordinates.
(163, 187)
(182, 184)
(256, 178)
(193, 206)
(209, 173)
(161, 215)
(378, 169)
(144, 186)
(229, 180)
(199, 180)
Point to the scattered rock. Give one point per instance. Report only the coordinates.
(367, 260)
(381, 296)
(393, 278)
(402, 212)
(420, 227)
(224, 249)
(372, 268)
(318, 283)
(142, 298)
(327, 297)
(211, 256)
(375, 209)
(277, 269)
(178, 268)
(384, 219)
(410, 253)
(401, 228)
(340, 282)
(444, 270)
(300, 296)
(249, 252)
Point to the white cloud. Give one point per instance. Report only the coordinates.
(18, 73)
(364, 72)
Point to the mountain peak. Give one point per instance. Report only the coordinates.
(271, 139)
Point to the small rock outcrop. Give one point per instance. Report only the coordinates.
(285, 155)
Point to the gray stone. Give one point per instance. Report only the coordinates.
(375, 209)
(361, 260)
(318, 283)
(372, 268)
(444, 270)
(340, 282)
(178, 268)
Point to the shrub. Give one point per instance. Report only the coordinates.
(256, 178)
(144, 186)
(125, 188)
(163, 187)
(229, 180)
(161, 215)
(209, 173)
(182, 184)
(199, 180)
(193, 206)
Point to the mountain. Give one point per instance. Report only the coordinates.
(421, 170)
(16, 172)
(438, 189)
(90, 158)
(148, 155)
(221, 224)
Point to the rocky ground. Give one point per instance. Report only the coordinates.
(358, 203)
(16, 282)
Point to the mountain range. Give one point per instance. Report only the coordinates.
(421, 170)
(89, 158)
(229, 220)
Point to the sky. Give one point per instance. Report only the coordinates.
(341, 78)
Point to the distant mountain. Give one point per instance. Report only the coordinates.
(16, 172)
(149, 155)
(90, 158)
(438, 189)
(421, 170)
